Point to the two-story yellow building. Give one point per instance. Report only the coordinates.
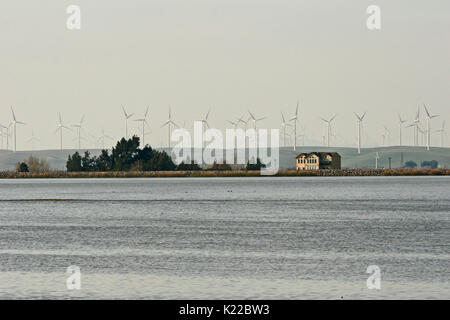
(318, 161)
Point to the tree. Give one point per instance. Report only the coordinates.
(188, 167)
(103, 162)
(255, 166)
(87, 163)
(22, 167)
(220, 166)
(433, 164)
(410, 164)
(36, 165)
(125, 156)
(74, 163)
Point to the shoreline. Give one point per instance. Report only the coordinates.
(214, 174)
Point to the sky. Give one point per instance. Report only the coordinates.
(228, 55)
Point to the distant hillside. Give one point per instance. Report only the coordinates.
(350, 158)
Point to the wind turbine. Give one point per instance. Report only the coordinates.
(144, 122)
(284, 124)
(423, 136)
(102, 138)
(127, 116)
(295, 119)
(328, 122)
(255, 120)
(360, 120)
(429, 117)
(442, 132)
(205, 121)
(168, 123)
(3, 134)
(387, 133)
(14, 123)
(400, 126)
(78, 126)
(33, 139)
(416, 123)
(245, 122)
(61, 127)
(233, 123)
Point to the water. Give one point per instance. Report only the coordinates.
(226, 238)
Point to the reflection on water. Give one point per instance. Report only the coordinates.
(231, 238)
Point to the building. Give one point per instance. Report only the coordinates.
(318, 161)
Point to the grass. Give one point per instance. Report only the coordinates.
(211, 174)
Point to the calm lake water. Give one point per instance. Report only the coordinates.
(230, 238)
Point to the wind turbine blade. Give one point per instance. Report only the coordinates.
(333, 117)
(165, 123)
(59, 116)
(282, 116)
(146, 112)
(207, 114)
(20, 122)
(362, 118)
(124, 112)
(251, 115)
(426, 110)
(14, 116)
(323, 119)
(82, 118)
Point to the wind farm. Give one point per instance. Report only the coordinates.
(357, 154)
(288, 137)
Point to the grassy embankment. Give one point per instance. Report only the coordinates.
(210, 174)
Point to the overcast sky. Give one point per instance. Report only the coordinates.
(228, 55)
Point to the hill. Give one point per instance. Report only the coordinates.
(350, 158)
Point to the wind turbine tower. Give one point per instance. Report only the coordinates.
(14, 123)
(429, 117)
(295, 119)
(442, 132)
(168, 123)
(33, 139)
(360, 120)
(60, 128)
(328, 122)
(400, 126)
(144, 122)
(78, 126)
(127, 116)
(284, 124)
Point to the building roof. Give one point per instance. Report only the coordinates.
(319, 154)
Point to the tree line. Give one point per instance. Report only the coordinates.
(127, 156)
